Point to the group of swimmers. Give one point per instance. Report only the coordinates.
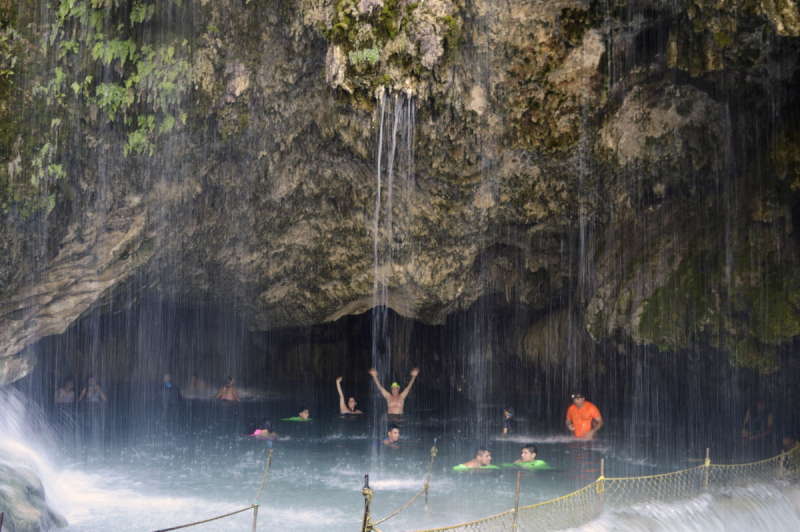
(395, 399)
(482, 458)
(91, 392)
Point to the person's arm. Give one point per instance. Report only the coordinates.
(593, 431)
(83, 392)
(374, 373)
(342, 407)
(570, 424)
(414, 373)
(219, 393)
(100, 391)
(235, 393)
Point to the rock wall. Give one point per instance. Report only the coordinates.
(633, 164)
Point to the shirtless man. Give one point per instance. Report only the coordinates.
(482, 458)
(350, 407)
(394, 400)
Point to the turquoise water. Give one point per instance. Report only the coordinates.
(125, 470)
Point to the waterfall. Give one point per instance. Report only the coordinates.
(396, 140)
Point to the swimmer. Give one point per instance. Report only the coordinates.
(528, 460)
(482, 459)
(66, 394)
(528, 454)
(170, 393)
(264, 431)
(350, 407)
(509, 422)
(228, 392)
(396, 399)
(302, 415)
(92, 392)
(198, 387)
(392, 436)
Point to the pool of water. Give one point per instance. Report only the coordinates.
(136, 469)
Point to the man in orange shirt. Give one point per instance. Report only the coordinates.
(583, 418)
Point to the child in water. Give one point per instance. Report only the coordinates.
(264, 431)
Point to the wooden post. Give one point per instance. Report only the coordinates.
(366, 521)
(255, 517)
(515, 526)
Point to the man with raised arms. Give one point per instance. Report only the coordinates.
(394, 400)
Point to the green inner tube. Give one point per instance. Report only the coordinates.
(462, 467)
(536, 465)
(296, 418)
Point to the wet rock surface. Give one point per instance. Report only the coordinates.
(633, 166)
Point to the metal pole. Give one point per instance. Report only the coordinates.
(708, 466)
(515, 526)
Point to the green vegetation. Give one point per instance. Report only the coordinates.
(104, 67)
(389, 43)
(143, 83)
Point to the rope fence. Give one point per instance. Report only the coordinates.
(586, 504)
(254, 506)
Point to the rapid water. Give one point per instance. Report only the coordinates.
(109, 470)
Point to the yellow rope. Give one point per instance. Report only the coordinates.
(568, 511)
(269, 461)
(208, 520)
(434, 452)
(253, 506)
(406, 505)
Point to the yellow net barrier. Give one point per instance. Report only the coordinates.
(586, 504)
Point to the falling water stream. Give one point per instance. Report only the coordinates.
(135, 463)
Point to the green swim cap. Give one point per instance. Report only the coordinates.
(394, 385)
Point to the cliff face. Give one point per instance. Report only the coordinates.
(633, 166)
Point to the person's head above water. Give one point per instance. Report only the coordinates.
(393, 433)
(528, 453)
(395, 388)
(303, 412)
(482, 456)
(509, 412)
(229, 381)
(351, 403)
(578, 399)
(266, 424)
